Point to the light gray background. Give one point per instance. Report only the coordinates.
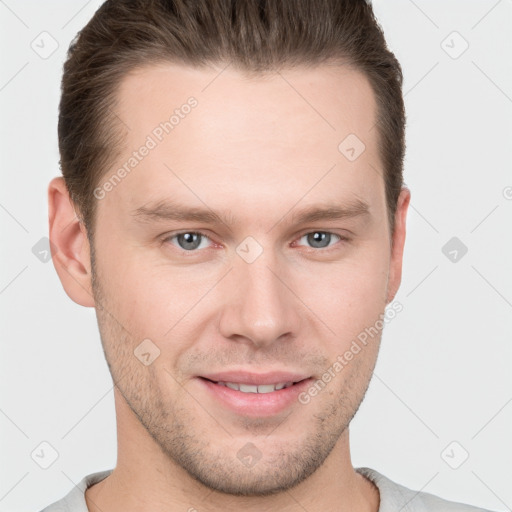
(444, 371)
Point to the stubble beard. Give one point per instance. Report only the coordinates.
(178, 433)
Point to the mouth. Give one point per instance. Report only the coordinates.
(255, 388)
(254, 396)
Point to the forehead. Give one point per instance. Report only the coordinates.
(214, 131)
(332, 100)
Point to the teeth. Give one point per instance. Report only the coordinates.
(250, 388)
(266, 388)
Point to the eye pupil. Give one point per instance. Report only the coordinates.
(189, 241)
(319, 239)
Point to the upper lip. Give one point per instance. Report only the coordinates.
(243, 377)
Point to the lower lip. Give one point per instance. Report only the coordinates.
(255, 405)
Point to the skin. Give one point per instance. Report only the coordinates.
(258, 150)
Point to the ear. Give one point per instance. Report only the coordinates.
(397, 244)
(69, 245)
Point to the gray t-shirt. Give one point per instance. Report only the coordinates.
(393, 497)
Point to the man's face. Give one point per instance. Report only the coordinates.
(259, 297)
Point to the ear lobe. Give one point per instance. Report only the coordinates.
(398, 242)
(69, 244)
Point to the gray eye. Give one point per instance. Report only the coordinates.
(319, 239)
(189, 241)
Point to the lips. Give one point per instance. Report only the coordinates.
(254, 395)
(256, 379)
(253, 388)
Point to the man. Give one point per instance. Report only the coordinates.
(233, 207)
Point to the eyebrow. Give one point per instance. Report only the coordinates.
(355, 208)
(165, 211)
(169, 211)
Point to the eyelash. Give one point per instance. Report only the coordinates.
(168, 238)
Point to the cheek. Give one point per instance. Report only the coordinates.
(137, 297)
(157, 301)
(348, 295)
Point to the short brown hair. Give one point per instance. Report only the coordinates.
(255, 36)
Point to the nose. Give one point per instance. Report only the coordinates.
(259, 307)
